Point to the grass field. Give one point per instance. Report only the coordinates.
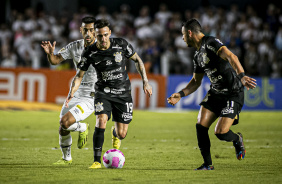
(159, 148)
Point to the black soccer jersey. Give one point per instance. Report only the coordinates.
(222, 76)
(110, 66)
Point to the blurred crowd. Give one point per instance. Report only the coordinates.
(255, 37)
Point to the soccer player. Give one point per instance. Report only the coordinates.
(225, 98)
(113, 88)
(82, 104)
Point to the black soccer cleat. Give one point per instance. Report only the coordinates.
(239, 147)
(205, 167)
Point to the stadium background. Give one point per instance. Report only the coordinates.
(251, 29)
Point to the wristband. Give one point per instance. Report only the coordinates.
(241, 75)
(181, 93)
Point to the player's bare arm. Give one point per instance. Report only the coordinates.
(226, 54)
(75, 85)
(141, 69)
(49, 50)
(191, 87)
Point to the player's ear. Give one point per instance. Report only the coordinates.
(189, 33)
(80, 29)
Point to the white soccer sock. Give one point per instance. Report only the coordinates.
(77, 127)
(65, 144)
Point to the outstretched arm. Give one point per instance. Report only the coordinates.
(141, 69)
(49, 50)
(191, 87)
(75, 85)
(227, 55)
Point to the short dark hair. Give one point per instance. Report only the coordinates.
(100, 23)
(88, 20)
(193, 25)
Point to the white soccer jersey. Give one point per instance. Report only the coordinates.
(73, 51)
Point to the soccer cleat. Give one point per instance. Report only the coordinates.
(205, 167)
(82, 137)
(115, 141)
(239, 147)
(95, 165)
(63, 162)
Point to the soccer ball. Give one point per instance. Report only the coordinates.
(113, 158)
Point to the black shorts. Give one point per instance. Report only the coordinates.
(120, 107)
(222, 106)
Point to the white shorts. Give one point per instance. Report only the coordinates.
(80, 108)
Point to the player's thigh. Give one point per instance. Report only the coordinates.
(103, 110)
(82, 108)
(122, 110)
(206, 117)
(229, 116)
(223, 125)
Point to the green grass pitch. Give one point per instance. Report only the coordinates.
(160, 147)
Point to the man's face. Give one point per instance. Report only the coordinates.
(185, 36)
(103, 37)
(87, 31)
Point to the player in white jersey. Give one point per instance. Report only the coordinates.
(82, 104)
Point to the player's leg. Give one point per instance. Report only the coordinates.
(205, 120)
(122, 116)
(71, 121)
(98, 139)
(222, 130)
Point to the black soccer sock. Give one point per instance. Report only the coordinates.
(204, 143)
(114, 132)
(98, 141)
(228, 137)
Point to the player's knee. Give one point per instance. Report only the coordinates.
(221, 130)
(121, 135)
(64, 122)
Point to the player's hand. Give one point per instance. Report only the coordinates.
(48, 47)
(174, 98)
(249, 82)
(147, 89)
(68, 100)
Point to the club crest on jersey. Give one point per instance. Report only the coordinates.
(118, 56)
(99, 107)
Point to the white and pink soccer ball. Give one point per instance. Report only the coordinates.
(113, 158)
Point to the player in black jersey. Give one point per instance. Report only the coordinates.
(225, 98)
(113, 89)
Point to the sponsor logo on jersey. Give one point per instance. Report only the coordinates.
(117, 47)
(109, 62)
(99, 107)
(107, 89)
(80, 108)
(118, 56)
(227, 110)
(110, 76)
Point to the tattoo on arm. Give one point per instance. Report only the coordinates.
(140, 67)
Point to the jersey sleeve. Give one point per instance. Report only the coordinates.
(129, 50)
(197, 68)
(65, 52)
(213, 44)
(84, 62)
